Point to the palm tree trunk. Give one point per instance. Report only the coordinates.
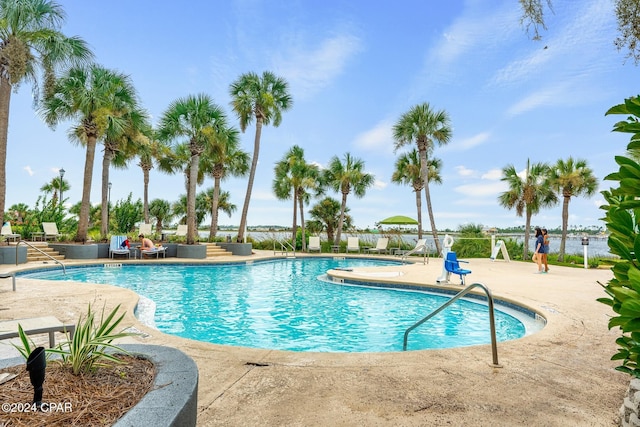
(104, 218)
(252, 174)
(304, 238)
(343, 207)
(85, 205)
(145, 177)
(527, 227)
(419, 209)
(424, 174)
(565, 226)
(191, 199)
(5, 100)
(295, 218)
(213, 230)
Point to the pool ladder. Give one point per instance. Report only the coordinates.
(285, 246)
(492, 321)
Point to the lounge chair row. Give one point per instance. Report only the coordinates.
(382, 246)
(49, 231)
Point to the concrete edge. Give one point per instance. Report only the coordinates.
(173, 400)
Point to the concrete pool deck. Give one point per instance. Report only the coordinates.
(559, 376)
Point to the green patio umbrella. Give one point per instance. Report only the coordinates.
(399, 220)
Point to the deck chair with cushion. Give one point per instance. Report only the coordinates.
(452, 266)
(157, 251)
(7, 233)
(353, 244)
(381, 245)
(119, 246)
(181, 231)
(314, 244)
(50, 230)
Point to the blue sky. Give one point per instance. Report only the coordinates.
(354, 68)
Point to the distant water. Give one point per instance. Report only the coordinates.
(573, 246)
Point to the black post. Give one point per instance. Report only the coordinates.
(36, 364)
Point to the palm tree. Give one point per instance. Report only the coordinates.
(344, 177)
(148, 150)
(30, 42)
(571, 178)
(223, 158)
(56, 184)
(527, 194)
(294, 177)
(408, 171)
(179, 209)
(424, 126)
(94, 97)
(223, 203)
(194, 118)
(263, 99)
(161, 211)
(326, 215)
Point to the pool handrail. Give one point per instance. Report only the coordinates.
(492, 322)
(41, 251)
(284, 248)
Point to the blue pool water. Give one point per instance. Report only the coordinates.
(282, 304)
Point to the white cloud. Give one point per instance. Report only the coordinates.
(309, 70)
(492, 175)
(376, 138)
(467, 143)
(464, 171)
(29, 170)
(379, 185)
(558, 95)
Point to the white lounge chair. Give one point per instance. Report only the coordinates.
(157, 251)
(116, 248)
(314, 244)
(381, 245)
(50, 231)
(353, 244)
(181, 231)
(7, 233)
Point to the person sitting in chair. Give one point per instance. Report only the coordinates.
(145, 243)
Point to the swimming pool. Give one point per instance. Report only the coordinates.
(282, 304)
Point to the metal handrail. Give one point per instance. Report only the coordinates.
(492, 322)
(284, 247)
(64, 270)
(425, 259)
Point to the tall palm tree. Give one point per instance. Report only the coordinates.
(571, 178)
(326, 215)
(425, 127)
(149, 150)
(407, 171)
(294, 177)
(93, 97)
(345, 177)
(262, 98)
(223, 158)
(120, 145)
(31, 43)
(527, 194)
(179, 208)
(194, 118)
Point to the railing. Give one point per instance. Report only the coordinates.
(284, 248)
(41, 251)
(492, 322)
(418, 249)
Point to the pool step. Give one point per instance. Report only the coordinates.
(35, 256)
(213, 250)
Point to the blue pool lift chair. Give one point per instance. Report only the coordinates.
(452, 266)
